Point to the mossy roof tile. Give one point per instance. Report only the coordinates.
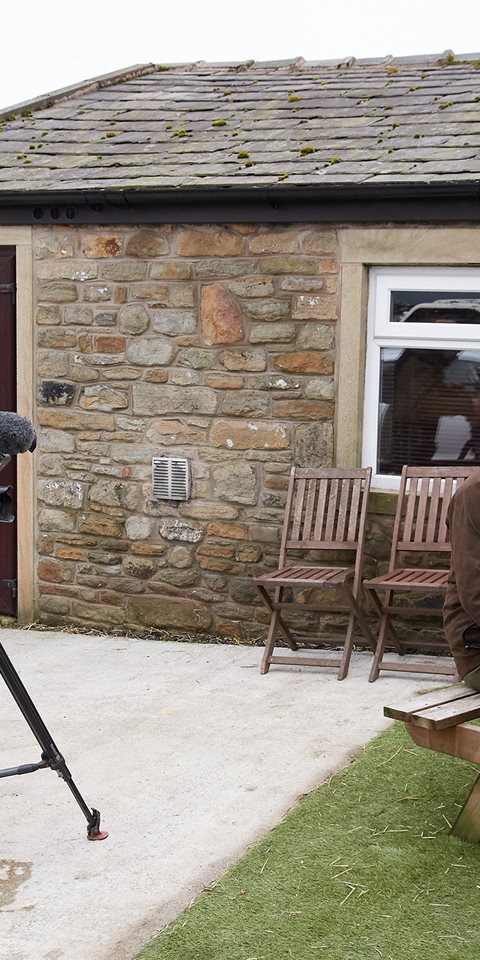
(400, 120)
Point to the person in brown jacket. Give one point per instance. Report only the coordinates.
(461, 611)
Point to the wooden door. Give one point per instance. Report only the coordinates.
(8, 531)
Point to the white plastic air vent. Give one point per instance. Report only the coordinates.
(171, 478)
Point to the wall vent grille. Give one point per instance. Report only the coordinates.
(171, 478)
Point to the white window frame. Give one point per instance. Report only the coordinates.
(381, 332)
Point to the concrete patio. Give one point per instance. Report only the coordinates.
(189, 754)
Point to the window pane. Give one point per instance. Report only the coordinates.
(429, 306)
(429, 409)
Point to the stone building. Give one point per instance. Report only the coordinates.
(194, 248)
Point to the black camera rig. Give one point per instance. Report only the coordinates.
(50, 756)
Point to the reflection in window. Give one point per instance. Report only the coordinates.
(422, 372)
(427, 306)
(429, 410)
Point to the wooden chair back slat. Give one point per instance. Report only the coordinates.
(321, 501)
(447, 496)
(331, 511)
(431, 528)
(421, 511)
(352, 531)
(342, 510)
(288, 514)
(298, 509)
(309, 510)
(411, 499)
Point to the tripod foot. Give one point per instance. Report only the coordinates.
(93, 830)
(97, 835)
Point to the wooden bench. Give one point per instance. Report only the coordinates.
(439, 721)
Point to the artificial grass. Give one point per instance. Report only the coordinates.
(363, 868)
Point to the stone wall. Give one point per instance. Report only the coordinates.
(214, 344)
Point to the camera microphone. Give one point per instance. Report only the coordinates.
(17, 435)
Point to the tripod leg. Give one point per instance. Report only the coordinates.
(50, 752)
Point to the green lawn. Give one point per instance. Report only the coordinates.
(363, 868)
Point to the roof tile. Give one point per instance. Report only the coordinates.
(399, 120)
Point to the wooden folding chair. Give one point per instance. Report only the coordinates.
(419, 529)
(326, 510)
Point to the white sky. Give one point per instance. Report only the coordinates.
(52, 44)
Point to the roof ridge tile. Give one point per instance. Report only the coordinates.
(84, 86)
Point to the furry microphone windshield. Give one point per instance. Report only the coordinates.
(17, 434)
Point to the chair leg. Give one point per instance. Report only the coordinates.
(272, 605)
(377, 659)
(356, 614)
(276, 623)
(389, 625)
(360, 616)
(270, 644)
(347, 649)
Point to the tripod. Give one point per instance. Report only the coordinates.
(51, 756)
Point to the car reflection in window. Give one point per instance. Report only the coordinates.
(443, 311)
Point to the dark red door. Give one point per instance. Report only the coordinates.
(8, 531)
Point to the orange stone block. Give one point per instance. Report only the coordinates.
(219, 382)
(71, 420)
(69, 553)
(228, 531)
(228, 628)
(221, 318)
(214, 550)
(106, 344)
(309, 362)
(102, 247)
(208, 243)
(54, 572)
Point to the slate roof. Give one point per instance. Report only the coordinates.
(412, 120)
